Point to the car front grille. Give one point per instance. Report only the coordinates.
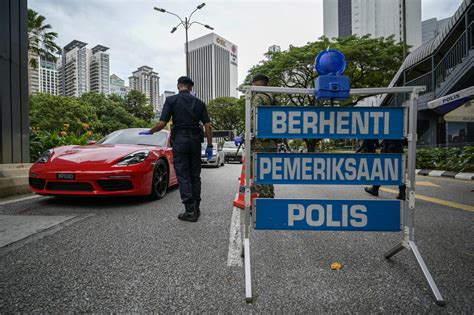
(37, 183)
(115, 185)
(69, 186)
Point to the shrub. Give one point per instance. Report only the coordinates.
(449, 159)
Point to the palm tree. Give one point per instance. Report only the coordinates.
(40, 38)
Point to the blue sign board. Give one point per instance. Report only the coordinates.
(330, 122)
(329, 168)
(323, 215)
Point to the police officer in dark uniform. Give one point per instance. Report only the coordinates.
(368, 146)
(390, 146)
(187, 112)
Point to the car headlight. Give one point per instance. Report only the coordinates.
(44, 157)
(134, 158)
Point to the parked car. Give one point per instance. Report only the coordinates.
(218, 156)
(231, 154)
(123, 163)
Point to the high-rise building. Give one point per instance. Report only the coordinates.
(377, 18)
(83, 70)
(147, 81)
(165, 95)
(274, 49)
(74, 75)
(99, 70)
(431, 28)
(213, 67)
(117, 86)
(33, 74)
(48, 77)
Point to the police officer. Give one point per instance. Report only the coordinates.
(263, 145)
(390, 146)
(368, 146)
(187, 111)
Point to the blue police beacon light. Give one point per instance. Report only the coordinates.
(331, 84)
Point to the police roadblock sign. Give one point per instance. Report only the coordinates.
(321, 215)
(330, 169)
(330, 122)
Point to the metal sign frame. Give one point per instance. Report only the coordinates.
(408, 206)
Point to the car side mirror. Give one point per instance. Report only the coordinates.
(91, 142)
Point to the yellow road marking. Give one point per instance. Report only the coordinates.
(436, 200)
(427, 183)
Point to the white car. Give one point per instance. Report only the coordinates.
(218, 156)
(231, 153)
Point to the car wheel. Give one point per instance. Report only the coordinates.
(159, 186)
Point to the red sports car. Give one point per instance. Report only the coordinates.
(122, 163)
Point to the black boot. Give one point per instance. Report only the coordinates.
(372, 190)
(190, 214)
(198, 210)
(402, 193)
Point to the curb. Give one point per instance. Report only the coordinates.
(436, 173)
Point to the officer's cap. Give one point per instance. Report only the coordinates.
(260, 77)
(185, 80)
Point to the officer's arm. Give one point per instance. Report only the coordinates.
(159, 125)
(208, 128)
(164, 118)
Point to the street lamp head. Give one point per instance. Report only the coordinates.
(201, 5)
(173, 30)
(209, 27)
(160, 9)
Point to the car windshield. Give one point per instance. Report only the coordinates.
(131, 136)
(230, 144)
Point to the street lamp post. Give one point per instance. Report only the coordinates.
(186, 24)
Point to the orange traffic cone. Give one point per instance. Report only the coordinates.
(239, 201)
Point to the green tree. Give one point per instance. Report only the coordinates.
(371, 62)
(111, 113)
(41, 38)
(50, 113)
(136, 104)
(227, 113)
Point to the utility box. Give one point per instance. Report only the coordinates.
(332, 87)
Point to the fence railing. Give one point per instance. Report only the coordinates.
(452, 58)
(425, 80)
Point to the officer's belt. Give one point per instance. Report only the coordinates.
(186, 131)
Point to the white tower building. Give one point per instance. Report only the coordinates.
(75, 69)
(380, 18)
(147, 81)
(99, 70)
(213, 67)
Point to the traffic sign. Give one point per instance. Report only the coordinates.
(322, 215)
(329, 168)
(330, 122)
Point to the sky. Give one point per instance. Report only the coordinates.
(137, 35)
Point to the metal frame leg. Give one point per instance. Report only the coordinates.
(410, 245)
(434, 288)
(394, 250)
(248, 272)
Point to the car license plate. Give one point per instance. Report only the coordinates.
(66, 176)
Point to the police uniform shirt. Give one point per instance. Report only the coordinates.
(187, 111)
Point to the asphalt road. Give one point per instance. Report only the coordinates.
(133, 255)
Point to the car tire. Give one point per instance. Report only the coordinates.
(160, 182)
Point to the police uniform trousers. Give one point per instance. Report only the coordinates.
(392, 149)
(187, 164)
